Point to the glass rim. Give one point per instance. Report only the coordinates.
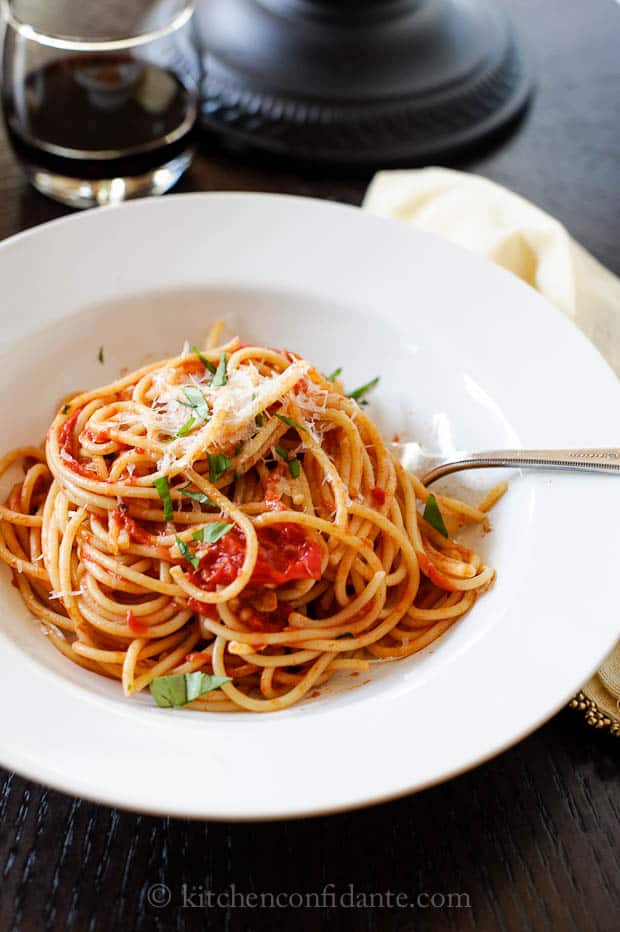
(77, 44)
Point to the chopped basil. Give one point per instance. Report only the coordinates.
(359, 393)
(239, 447)
(212, 532)
(186, 553)
(203, 359)
(66, 409)
(294, 466)
(218, 464)
(347, 634)
(163, 490)
(433, 515)
(334, 375)
(178, 689)
(200, 497)
(100, 355)
(221, 375)
(290, 422)
(183, 431)
(197, 401)
(259, 420)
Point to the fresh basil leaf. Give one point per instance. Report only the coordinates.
(200, 683)
(294, 467)
(66, 409)
(184, 431)
(163, 490)
(221, 375)
(212, 532)
(334, 375)
(218, 464)
(100, 355)
(363, 389)
(169, 692)
(197, 401)
(203, 359)
(259, 420)
(433, 515)
(186, 552)
(178, 689)
(290, 422)
(200, 497)
(282, 452)
(347, 634)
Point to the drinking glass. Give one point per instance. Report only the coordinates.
(100, 99)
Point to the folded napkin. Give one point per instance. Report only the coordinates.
(494, 222)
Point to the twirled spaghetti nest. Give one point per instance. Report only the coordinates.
(231, 512)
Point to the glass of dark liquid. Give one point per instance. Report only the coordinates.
(101, 99)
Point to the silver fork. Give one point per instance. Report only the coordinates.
(431, 466)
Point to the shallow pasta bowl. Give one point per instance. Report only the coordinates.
(468, 358)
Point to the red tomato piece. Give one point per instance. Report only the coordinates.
(285, 553)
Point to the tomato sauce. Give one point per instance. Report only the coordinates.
(252, 619)
(203, 608)
(67, 447)
(203, 655)
(285, 553)
(273, 491)
(135, 626)
(377, 497)
(96, 436)
(267, 621)
(436, 576)
(136, 532)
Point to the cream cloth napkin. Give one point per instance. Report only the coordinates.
(494, 222)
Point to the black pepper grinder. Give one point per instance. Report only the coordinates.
(369, 82)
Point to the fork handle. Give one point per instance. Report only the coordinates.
(603, 460)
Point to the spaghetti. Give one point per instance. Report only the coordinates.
(228, 528)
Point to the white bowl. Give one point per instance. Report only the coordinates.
(468, 357)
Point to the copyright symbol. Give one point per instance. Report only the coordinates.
(158, 895)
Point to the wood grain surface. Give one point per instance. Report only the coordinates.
(529, 840)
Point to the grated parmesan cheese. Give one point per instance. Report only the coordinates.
(63, 595)
(233, 408)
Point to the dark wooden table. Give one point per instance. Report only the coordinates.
(529, 840)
